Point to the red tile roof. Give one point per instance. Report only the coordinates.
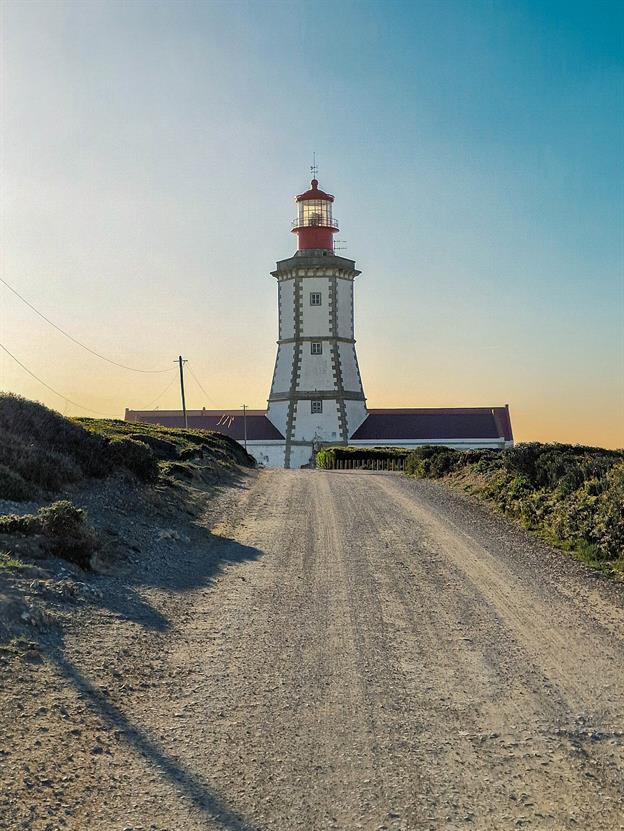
(436, 423)
(228, 422)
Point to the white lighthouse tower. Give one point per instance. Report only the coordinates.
(316, 394)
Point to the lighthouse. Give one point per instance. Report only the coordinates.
(316, 394)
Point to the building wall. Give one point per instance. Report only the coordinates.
(318, 427)
(283, 368)
(301, 455)
(356, 415)
(272, 454)
(278, 415)
(315, 319)
(348, 362)
(316, 372)
(286, 309)
(269, 454)
(345, 320)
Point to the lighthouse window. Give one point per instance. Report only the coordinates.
(315, 212)
(316, 347)
(315, 298)
(317, 406)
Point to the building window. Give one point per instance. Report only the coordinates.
(315, 298)
(317, 406)
(316, 347)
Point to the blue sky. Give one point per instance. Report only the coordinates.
(151, 152)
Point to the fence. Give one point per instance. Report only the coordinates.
(396, 463)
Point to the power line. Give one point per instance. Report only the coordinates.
(160, 395)
(190, 369)
(56, 392)
(77, 342)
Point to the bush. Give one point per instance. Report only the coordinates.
(68, 532)
(135, 456)
(15, 524)
(13, 486)
(431, 461)
(571, 495)
(563, 466)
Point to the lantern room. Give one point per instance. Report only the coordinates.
(315, 225)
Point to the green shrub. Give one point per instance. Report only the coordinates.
(68, 532)
(442, 462)
(13, 486)
(15, 524)
(64, 527)
(135, 456)
(431, 461)
(564, 466)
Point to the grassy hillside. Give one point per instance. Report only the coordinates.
(44, 456)
(571, 496)
(41, 451)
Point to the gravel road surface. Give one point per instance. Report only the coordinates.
(345, 650)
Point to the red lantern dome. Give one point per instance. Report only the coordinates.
(315, 225)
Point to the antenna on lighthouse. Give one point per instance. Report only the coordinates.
(314, 167)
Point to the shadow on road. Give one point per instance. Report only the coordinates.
(175, 567)
(190, 784)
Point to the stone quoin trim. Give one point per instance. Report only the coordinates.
(296, 368)
(333, 325)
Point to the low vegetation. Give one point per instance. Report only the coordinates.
(41, 451)
(63, 528)
(571, 496)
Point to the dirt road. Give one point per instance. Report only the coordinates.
(349, 651)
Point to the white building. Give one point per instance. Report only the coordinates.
(316, 394)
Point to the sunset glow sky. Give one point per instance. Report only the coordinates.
(151, 151)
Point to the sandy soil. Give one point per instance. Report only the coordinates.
(327, 651)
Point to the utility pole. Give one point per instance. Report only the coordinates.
(245, 424)
(182, 361)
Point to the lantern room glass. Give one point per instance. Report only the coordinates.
(315, 212)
